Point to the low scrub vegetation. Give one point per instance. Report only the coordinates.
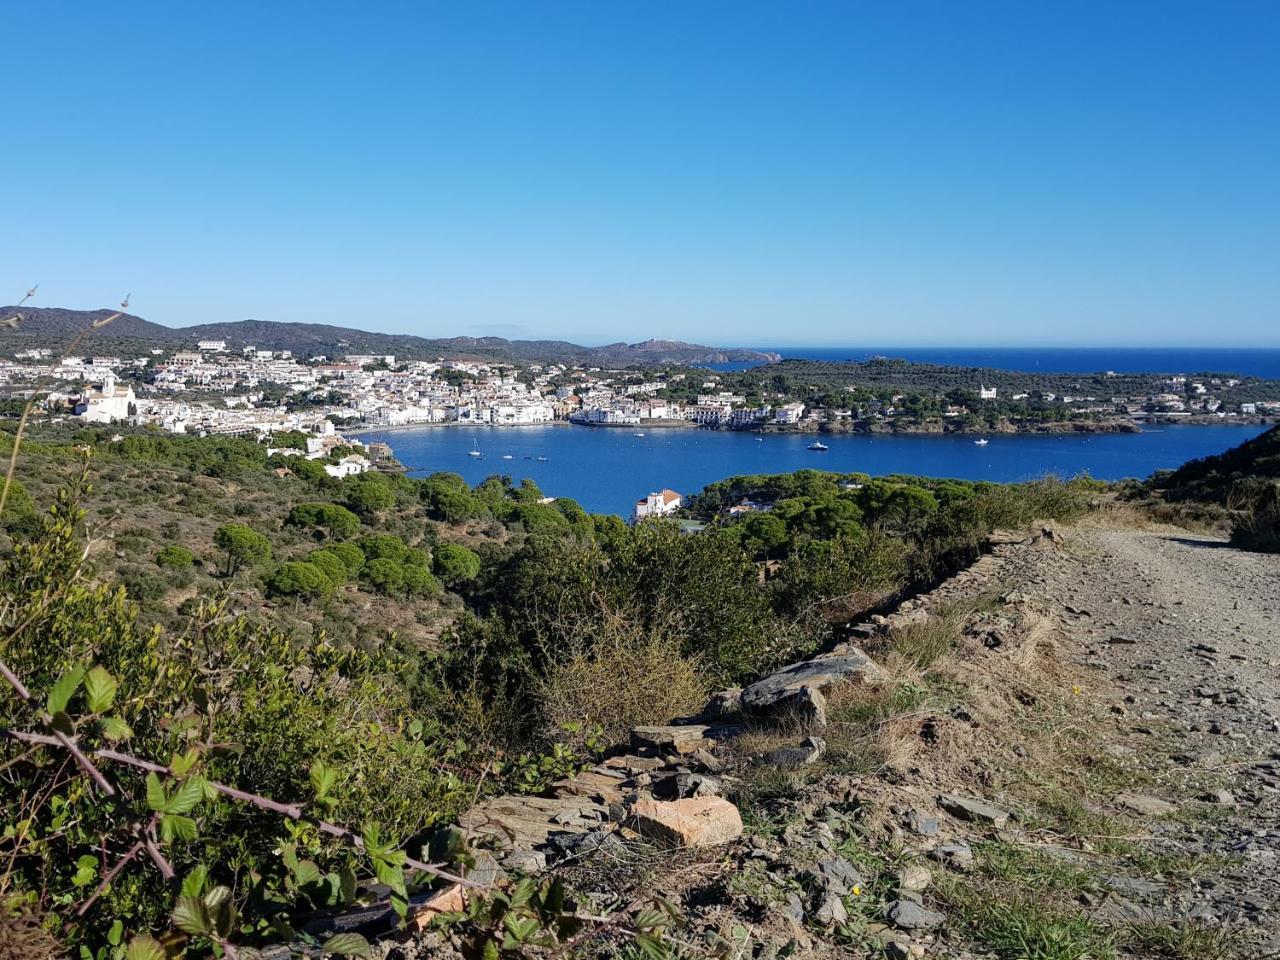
(290, 663)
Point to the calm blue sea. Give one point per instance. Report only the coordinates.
(1251, 362)
(608, 469)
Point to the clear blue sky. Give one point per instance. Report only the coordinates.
(726, 172)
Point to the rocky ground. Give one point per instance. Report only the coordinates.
(1070, 751)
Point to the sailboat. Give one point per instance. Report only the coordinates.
(475, 449)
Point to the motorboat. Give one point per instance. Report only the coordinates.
(982, 441)
(819, 446)
(507, 456)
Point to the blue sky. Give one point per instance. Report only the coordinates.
(735, 173)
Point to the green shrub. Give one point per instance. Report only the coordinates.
(368, 494)
(277, 710)
(1257, 525)
(331, 564)
(384, 575)
(335, 520)
(418, 581)
(243, 545)
(175, 557)
(300, 579)
(383, 546)
(351, 556)
(455, 563)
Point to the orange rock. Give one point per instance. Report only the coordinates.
(449, 900)
(693, 822)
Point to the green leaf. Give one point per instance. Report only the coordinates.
(144, 948)
(174, 826)
(521, 928)
(63, 690)
(371, 836)
(220, 910)
(651, 947)
(306, 872)
(156, 798)
(347, 884)
(391, 875)
(193, 883)
(183, 762)
(114, 728)
(189, 793)
(116, 934)
(189, 916)
(322, 779)
(347, 945)
(523, 893)
(553, 899)
(86, 870)
(100, 689)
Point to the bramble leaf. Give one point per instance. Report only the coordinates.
(144, 948)
(100, 689)
(322, 779)
(177, 827)
(156, 798)
(63, 690)
(346, 945)
(189, 916)
(189, 793)
(193, 883)
(220, 910)
(113, 728)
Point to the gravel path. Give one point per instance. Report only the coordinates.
(1185, 630)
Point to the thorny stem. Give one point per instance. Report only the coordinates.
(293, 811)
(108, 877)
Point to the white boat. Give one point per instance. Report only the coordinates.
(475, 449)
(507, 456)
(818, 445)
(982, 441)
(638, 434)
(543, 459)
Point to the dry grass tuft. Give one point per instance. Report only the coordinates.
(22, 937)
(625, 679)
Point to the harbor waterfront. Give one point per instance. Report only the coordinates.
(608, 469)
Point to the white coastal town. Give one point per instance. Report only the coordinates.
(212, 389)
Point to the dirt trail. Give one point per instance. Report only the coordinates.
(1186, 631)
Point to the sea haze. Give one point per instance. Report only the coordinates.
(1250, 362)
(608, 469)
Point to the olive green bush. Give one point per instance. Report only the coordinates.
(216, 701)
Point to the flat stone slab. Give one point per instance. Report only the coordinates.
(820, 673)
(1147, 806)
(695, 822)
(681, 738)
(525, 822)
(973, 809)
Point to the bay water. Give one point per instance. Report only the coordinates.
(608, 469)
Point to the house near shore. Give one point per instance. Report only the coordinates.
(661, 504)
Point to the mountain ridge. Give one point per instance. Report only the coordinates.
(332, 340)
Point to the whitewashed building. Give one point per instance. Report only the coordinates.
(661, 504)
